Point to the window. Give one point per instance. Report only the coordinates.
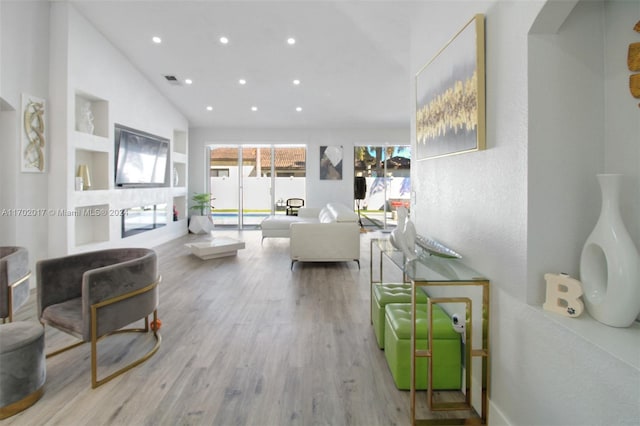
(219, 172)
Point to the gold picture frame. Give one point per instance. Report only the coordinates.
(450, 96)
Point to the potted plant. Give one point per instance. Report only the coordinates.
(202, 202)
(202, 223)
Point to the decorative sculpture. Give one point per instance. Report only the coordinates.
(633, 63)
(85, 118)
(609, 263)
(34, 131)
(404, 237)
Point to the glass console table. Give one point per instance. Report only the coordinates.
(461, 286)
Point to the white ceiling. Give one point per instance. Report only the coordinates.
(351, 58)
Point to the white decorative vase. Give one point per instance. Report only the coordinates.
(410, 240)
(404, 238)
(410, 236)
(610, 264)
(397, 237)
(200, 224)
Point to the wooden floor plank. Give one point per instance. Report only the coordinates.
(246, 341)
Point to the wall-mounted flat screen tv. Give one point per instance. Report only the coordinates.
(141, 158)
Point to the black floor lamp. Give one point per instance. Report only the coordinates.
(359, 193)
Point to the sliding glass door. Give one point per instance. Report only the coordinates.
(387, 171)
(224, 184)
(251, 182)
(255, 185)
(289, 175)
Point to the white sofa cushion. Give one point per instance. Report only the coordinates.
(278, 226)
(336, 212)
(309, 213)
(280, 222)
(325, 215)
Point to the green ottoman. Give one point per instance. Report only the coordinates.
(384, 294)
(447, 368)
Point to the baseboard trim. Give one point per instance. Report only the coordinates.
(496, 417)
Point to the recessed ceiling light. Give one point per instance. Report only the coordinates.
(209, 108)
(254, 108)
(291, 41)
(224, 40)
(298, 109)
(157, 40)
(296, 82)
(242, 81)
(188, 81)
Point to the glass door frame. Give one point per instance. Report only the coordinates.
(385, 148)
(241, 178)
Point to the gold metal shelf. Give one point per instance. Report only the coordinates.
(433, 271)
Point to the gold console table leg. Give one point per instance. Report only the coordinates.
(470, 354)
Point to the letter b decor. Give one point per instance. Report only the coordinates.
(563, 295)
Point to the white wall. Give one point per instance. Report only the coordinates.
(566, 149)
(85, 61)
(8, 174)
(622, 111)
(48, 50)
(528, 202)
(319, 192)
(1, 27)
(24, 34)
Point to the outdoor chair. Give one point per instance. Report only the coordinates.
(293, 204)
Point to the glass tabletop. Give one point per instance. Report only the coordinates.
(429, 267)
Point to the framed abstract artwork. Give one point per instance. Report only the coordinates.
(331, 163)
(33, 140)
(450, 96)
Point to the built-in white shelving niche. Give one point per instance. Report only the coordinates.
(179, 175)
(97, 163)
(91, 114)
(95, 213)
(179, 141)
(92, 224)
(179, 159)
(180, 204)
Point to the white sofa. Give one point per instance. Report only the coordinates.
(327, 234)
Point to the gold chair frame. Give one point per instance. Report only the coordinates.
(11, 288)
(95, 382)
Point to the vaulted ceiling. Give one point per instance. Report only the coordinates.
(350, 57)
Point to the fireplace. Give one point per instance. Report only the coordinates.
(144, 218)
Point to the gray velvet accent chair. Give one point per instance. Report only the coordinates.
(14, 280)
(96, 294)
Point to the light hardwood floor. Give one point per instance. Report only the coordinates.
(245, 341)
